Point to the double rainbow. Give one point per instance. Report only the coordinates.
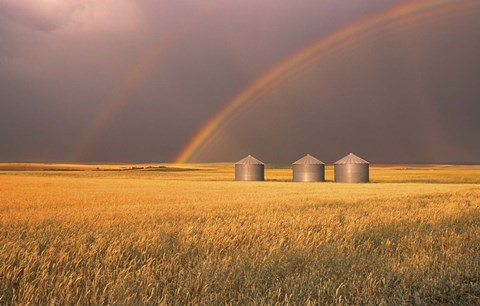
(403, 14)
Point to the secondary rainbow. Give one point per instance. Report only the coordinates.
(120, 98)
(288, 68)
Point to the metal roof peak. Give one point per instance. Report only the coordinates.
(249, 160)
(308, 160)
(351, 159)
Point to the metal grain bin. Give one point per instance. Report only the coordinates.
(351, 169)
(308, 169)
(249, 169)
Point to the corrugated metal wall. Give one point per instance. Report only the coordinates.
(308, 173)
(249, 172)
(352, 173)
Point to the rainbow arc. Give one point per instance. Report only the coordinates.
(404, 15)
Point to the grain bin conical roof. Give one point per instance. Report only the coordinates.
(308, 160)
(249, 160)
(351, 159)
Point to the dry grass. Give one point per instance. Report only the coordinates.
(196, 237)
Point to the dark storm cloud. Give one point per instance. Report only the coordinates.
(405, 95)
(60, 62)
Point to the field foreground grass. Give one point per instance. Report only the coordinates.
(412, 236)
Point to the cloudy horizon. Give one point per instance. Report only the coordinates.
(133, 81)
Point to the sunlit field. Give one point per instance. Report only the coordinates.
(188, 234)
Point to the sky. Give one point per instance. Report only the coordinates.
(135, 80)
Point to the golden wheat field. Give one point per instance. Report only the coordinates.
(171, 234)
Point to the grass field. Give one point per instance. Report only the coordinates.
(172, 234)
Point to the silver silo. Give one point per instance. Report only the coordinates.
(249, 169)
(351, 169)
(308, 169)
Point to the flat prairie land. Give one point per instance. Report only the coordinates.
(189, 234)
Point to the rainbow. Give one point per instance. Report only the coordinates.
(120, 98)
(288, 68)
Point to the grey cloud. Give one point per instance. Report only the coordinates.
(54, 83)
(37, 15)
